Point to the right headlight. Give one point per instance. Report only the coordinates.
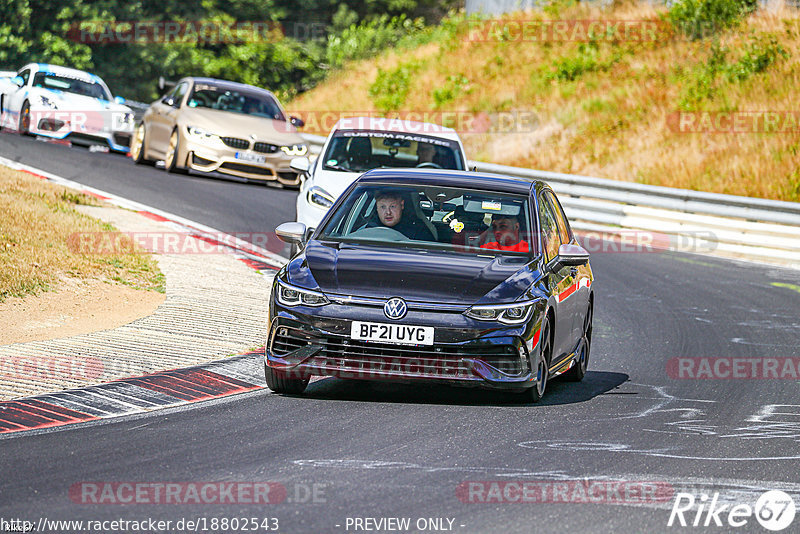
(198, 134)
(319, 197)
(515, 313)
(289, 295)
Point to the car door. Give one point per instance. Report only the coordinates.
(578, 298)
(164, 118)
(559, 280)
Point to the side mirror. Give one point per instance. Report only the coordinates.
(119, 100)
(293, 233)
(168, 100)
(301, 165)
(18, 81)
(297, 122)
(570, 256)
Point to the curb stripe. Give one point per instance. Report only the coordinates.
(134, 395)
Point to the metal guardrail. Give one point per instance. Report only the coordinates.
(730, 225)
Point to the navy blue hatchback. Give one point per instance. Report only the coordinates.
(428, 275)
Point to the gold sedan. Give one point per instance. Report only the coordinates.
(210, 125)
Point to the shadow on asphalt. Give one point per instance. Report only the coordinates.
(558, 392)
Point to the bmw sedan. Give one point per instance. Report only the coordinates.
(432, 275)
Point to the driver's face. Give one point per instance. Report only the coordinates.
(425, 152)
(390, 210)
(506, 231)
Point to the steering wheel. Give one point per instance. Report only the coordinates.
(429, 165)
(383, 233)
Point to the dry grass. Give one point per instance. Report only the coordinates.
(36, 221)
(612, 121)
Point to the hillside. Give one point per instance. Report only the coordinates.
(606, 107)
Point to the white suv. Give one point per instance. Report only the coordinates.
(358, 144)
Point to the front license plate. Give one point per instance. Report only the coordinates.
(392, 333)
(255, 158)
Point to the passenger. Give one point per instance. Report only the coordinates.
(506, 232)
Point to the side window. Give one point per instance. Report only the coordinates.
(564, 230)
(25, 74)
(549, 229)
(178, 94)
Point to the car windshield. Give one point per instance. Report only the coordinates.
(244, 102)
(361, 150)
(70, 85)
(446, 218)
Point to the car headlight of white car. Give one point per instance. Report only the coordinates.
(295, 150)
(48, 103)
(319, 197)
(203, 136)
(516, 313)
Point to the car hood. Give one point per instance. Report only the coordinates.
(413, 274)
(72, 102)
(334, 182)
(229, 124)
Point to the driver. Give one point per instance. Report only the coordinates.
(425, 154)
(505, 229)
(389, 206)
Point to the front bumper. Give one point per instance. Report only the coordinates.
(304, 345)
(63, 125)
(223, 160)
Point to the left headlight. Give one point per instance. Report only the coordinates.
(516, 313)
(319, 197)
(289, 295)
(295, 150)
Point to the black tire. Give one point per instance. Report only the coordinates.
(2, 118)
(278, 382)
(24, 122)
(139, 157)
(171, 164)
(541, 363)
(578, 371)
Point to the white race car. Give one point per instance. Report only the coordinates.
(358, 144)
(62, 103)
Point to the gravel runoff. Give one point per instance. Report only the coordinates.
(215, 306)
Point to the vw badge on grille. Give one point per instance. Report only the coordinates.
(395, 308)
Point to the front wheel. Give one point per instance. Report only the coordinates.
(279, 382)
(24, 124)
(173, 153)
(541, 366)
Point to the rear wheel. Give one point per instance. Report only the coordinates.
(279, 382)
(138, 149)
(578, 370)
(24, 124)
(541, 366)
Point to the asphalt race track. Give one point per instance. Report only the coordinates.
(403, 451)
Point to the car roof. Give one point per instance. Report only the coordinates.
(448, 178)
(388, 124)
(66, 71)
(227, 84)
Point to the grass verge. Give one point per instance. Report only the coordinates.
(37, 219)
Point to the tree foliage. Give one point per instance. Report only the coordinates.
(318, 35)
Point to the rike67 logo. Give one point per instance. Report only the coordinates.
(774, 510)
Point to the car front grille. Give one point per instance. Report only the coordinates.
(251, 169)
(265, 148)
(235, 142)
(437, 361)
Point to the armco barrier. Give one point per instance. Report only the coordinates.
(735, 226)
